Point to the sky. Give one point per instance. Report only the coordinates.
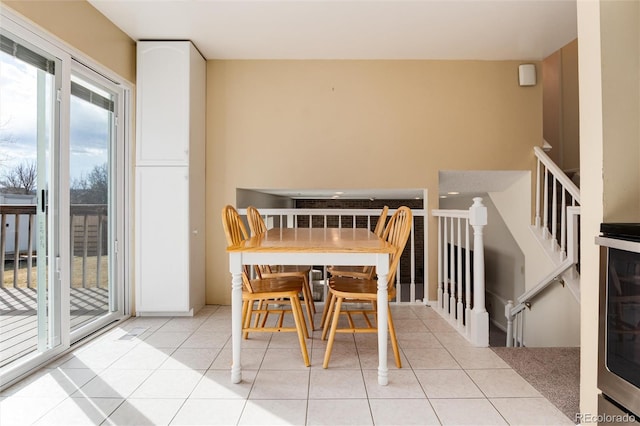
(18, 122)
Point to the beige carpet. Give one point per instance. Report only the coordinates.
(554, 372)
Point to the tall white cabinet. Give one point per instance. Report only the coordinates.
(170, 176)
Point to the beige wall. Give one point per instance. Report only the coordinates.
(80, 25)
(570, 108)
(561, 122)
(621, 110)
(358, 124)
(552, 104)
(609, 63)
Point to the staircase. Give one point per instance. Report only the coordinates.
(556, 229)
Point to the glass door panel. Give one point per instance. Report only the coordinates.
(92, 144)
(27, 115)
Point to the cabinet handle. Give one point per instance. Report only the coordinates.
(195, 232)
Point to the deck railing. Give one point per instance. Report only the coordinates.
(461, 286)
(411, 278)
(19, 250)
(17, 239)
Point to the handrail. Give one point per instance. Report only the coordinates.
(569, 261)
(565, 242)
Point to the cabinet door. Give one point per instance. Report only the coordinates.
(163, 103)
(162, 239)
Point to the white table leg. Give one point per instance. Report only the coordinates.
(382, 269)
(235, 267)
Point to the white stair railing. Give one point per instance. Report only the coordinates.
(562, 243)
(564, 193)
(461, 296)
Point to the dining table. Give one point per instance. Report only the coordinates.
(311, 246)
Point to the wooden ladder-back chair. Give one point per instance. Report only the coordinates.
(345, 289)
(257, 227)
(266, 291)
(363, 272)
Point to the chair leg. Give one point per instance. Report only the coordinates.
(298, 317)
(323, 319)
(257, 321)
(247, 317)
(332, 335)
(309, 312)
(307, 286)
(327, 315)
(308, 301)
(394, 339)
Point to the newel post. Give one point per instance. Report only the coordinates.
(479, 315)
(507, 313)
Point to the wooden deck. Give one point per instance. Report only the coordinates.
(18, 317)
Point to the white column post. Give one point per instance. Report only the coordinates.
(479, 314)
(507, 313)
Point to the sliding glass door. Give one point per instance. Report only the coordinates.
(93, 199)
(62, 203)
(29, 115)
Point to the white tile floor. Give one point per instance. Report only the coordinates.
(177, 372)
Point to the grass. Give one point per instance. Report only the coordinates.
(76, 273)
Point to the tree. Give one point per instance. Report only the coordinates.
(6, 138)
(22, 179)
(92, 188)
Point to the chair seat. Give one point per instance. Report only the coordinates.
(268, 285)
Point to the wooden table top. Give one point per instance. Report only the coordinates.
(315, 240)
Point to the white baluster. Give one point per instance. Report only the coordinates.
(459, 306)
(440, 257)
(452, 273)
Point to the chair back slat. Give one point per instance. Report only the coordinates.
(236, 232)
(256, 222)
(257, 226)
(379, 230)
(397, 233)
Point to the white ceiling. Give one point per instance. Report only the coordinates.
(355, 29)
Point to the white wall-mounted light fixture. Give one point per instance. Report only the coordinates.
(527, 74)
